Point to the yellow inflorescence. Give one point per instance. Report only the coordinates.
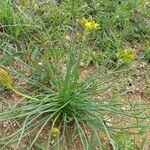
(89, 24)
(128, 55)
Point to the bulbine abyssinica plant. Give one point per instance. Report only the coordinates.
(75, 103)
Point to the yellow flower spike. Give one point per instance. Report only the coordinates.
(5, 78)
(89, 24)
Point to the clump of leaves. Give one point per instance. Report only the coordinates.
(10, 22)
(75, 102)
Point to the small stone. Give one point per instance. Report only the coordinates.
(5, 124)
(40, 64)
(82, 64)
(23, 146)
(68, 37)
(52, 142)
(27, 74)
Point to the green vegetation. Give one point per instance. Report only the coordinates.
(66, 69)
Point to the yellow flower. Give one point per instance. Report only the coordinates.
(90, 24)
(55, 130)
(128, 55)
(5, 78)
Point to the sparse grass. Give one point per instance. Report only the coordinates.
(46, 48)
